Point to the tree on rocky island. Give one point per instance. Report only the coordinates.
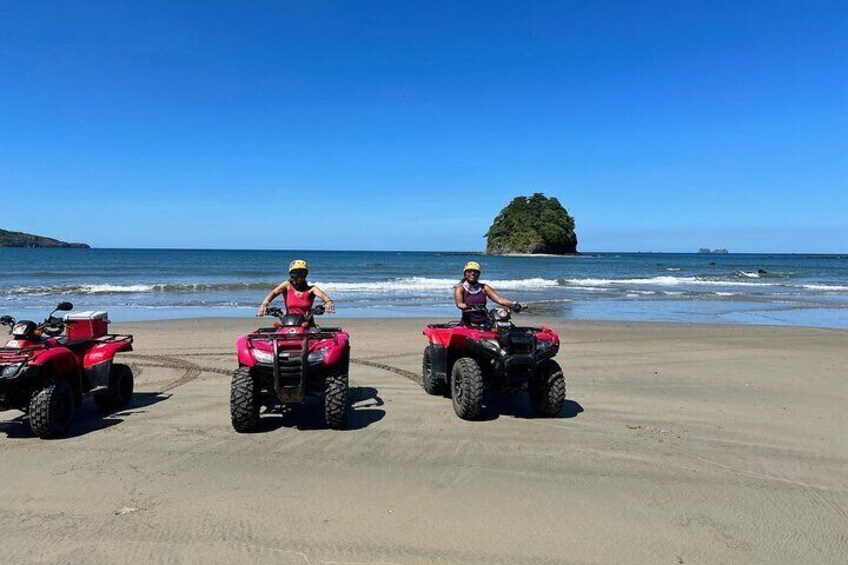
(532, 224)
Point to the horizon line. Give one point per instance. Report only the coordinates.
(518, 256)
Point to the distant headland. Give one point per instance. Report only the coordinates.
(718, 251)
(532, 225)
(20, 239)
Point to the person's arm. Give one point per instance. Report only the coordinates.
(490, 292)
(457, 298)
(281, 288)
(328, 303)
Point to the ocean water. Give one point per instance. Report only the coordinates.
(131, 284)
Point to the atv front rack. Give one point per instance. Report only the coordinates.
(12, 355)
(267, 334)
(289, 371)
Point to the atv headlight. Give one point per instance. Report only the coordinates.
(10, 370)
(544, 345)
(502, 314)
(492, 345)
(263, 356)
(318, 355)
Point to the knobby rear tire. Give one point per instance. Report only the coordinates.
(547, 389)
(120, 390)
(429, 382)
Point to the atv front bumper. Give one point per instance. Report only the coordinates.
(16, 384)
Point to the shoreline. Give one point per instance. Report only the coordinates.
(525, 321)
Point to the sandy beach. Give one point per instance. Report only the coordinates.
(678, 444)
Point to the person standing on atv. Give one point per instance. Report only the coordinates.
(299, 295)
(471, 292)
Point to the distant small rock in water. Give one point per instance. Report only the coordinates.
(762, 272)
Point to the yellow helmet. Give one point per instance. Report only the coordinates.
(472, 266)
(298, 264)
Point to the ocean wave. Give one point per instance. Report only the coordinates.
(660, 281)
(826, 287)
(745, 275)
(427, 284)
(410, 286)
(45, 290)
(403, 285)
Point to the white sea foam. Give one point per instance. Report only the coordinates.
(81, 289)
(826, 287)
(429, 284)
(743, 274)
(661, 281)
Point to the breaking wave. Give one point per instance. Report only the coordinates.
(410, 286)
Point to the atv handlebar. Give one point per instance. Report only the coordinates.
(51, 326)
(277, 312)
(516, 307)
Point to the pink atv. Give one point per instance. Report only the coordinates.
(462, 360)
(46, 374)
(286, 363)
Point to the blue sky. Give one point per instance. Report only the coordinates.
(664, 126)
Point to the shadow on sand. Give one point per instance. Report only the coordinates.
(517, 405)
(364, 410)
(88, 417)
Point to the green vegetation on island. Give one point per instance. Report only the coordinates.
(19, 239)
(532, 224)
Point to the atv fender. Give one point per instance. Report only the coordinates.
(339, 349)
(245, 358)
(439, 361)
(59, 360)
(105, 351)
(58, 363)
(97, 362)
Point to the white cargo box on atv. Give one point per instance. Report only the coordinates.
(86, 325)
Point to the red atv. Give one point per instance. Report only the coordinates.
(46, 374)
(287, 362)
(462, 360)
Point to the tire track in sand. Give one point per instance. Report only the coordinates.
(192, 370)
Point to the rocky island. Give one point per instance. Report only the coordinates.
(532, 225)
(20, 239)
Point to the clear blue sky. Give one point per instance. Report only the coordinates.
(662, 126)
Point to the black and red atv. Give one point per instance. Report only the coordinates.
(462, 360)
(46, 369)
(287, 362)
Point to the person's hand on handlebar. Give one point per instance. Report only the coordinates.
(263, 309)
(518, 307)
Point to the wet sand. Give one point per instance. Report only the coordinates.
(678, 444)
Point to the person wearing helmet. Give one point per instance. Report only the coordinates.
(298, 294)
(471, 292)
